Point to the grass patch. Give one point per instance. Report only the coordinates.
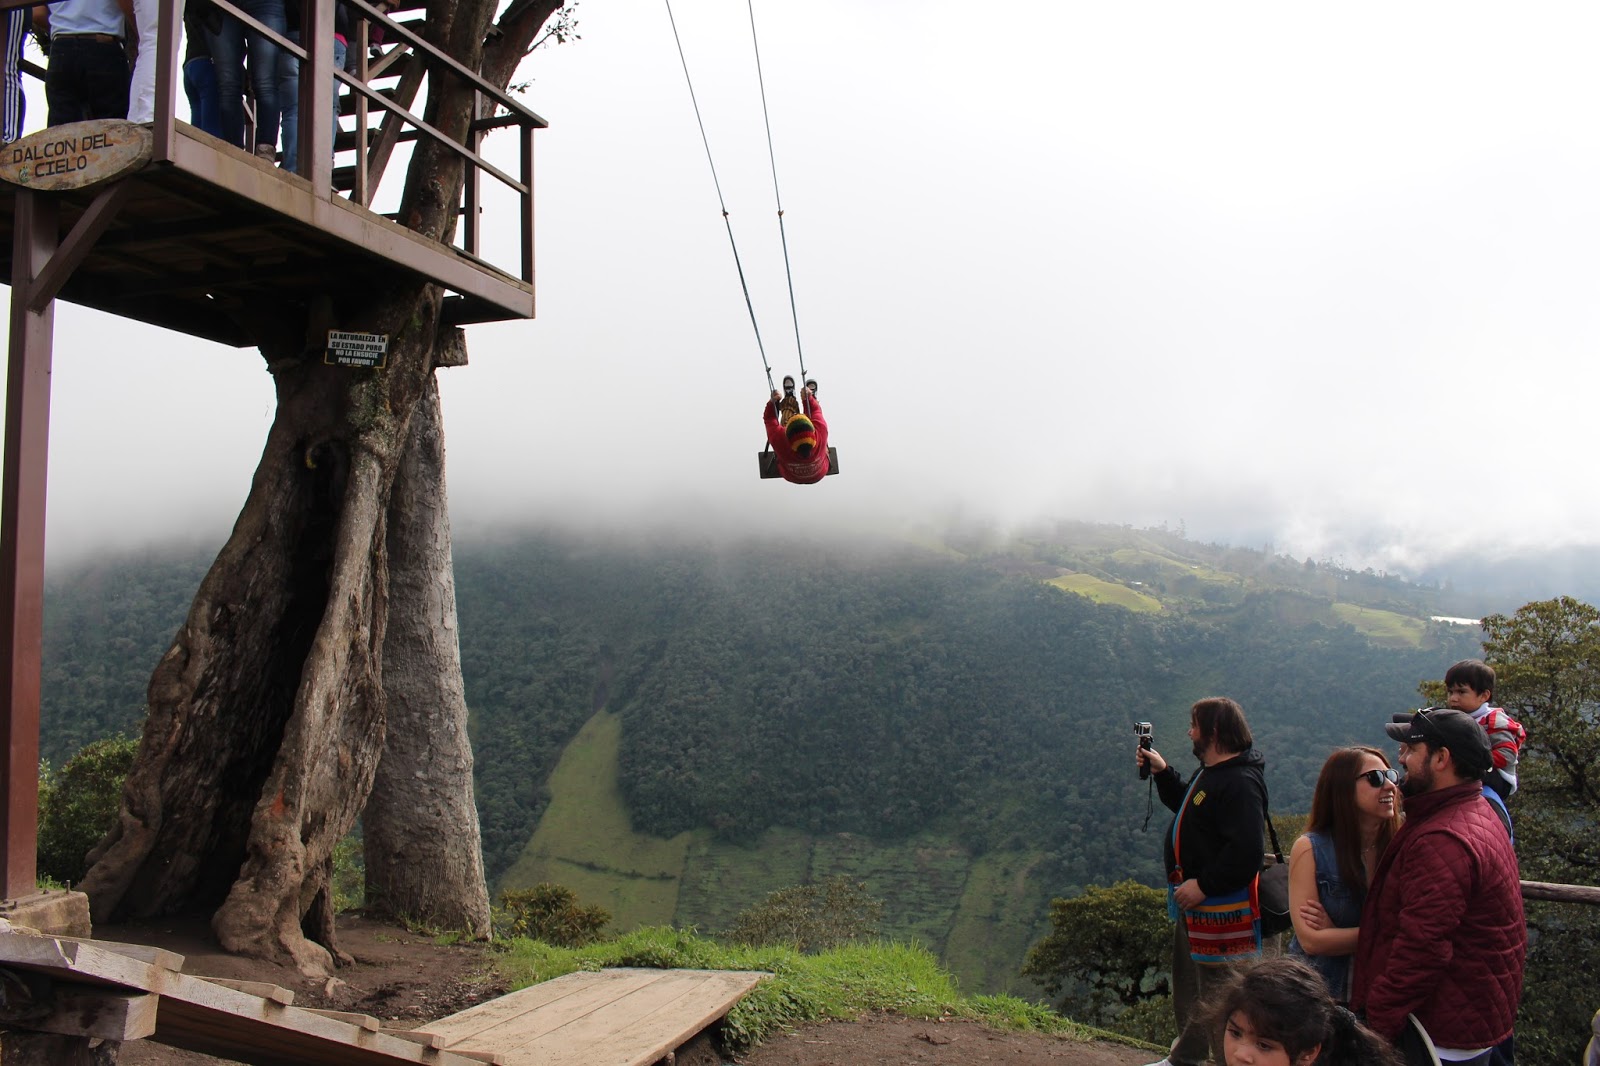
(1106, 592)
(841, 984)
(585, 842)
(1383, 627)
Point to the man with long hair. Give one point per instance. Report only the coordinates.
(1213, 853)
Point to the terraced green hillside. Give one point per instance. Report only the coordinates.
(978, 915)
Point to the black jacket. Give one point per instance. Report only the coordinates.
(1223, 825)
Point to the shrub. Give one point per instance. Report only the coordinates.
(1107, 953)
(811, 918)
(551, 913)
(78, 805)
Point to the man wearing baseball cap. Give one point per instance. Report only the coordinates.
(1438, 964)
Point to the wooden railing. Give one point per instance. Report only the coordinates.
(382, 113)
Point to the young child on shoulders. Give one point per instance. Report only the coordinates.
(1469, 686)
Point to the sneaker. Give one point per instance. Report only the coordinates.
(1162, 1062)
(267, 152)
(788, 387)
(812, 385)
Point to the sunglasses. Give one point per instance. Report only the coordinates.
(1376, 778)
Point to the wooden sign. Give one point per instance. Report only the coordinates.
(79, 155)
(357, 349)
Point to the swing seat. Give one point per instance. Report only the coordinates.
(768, 460)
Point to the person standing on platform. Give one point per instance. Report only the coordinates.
(88, 73)
(13, 106)
(228, 43)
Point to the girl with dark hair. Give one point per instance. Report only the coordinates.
(1278, 1013)
(1355, 811)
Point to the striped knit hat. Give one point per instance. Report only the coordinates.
(802, 436)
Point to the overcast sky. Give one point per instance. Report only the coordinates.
(1320, 274)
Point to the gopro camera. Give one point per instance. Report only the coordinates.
(1144, 731)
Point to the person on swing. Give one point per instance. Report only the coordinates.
(799, 439)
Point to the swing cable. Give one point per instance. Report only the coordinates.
(738, 264)
(777, 197)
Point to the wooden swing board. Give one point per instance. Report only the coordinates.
(768, 461)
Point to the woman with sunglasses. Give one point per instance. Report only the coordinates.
(1355, 811)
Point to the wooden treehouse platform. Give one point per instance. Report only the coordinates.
(162, 223)
(199, 236)
(96, 990)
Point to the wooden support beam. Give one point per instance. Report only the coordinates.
(93, 1013)
(22, 500)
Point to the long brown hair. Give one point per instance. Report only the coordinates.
(1334, 812)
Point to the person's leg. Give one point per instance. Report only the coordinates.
(142, 94)
(63, 101)
(13, 105)
(341, 51)
(289, 104)
(105, 80)
(1192, 1045)
(264, 54)
(227, 64)
(200, 83)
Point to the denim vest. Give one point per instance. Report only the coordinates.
(1343, 905)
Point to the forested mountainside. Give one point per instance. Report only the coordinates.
(956, 695)
(883, 692)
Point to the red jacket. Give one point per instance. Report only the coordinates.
(1442, 932)
(792, 467)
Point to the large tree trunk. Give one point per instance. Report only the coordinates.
(424, 855)
(269, 714)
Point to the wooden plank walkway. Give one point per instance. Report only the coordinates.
(623, 1017)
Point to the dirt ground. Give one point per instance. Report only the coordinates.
(405, 979)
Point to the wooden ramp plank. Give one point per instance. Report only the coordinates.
(634, 1039)
(277, 993)
(197, 1015)
(623, 1017)
(169, 960)
(557, 1002)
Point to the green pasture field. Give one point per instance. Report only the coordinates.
(1106, 592)
(584, 840)
(934, 893)
(1134, 557)
(1383, 627)
(983, 943)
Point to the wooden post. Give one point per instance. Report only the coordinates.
(169, 75)
(317, 94)
(22, 499)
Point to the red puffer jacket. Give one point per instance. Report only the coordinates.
(1442, 932)
(791, 466)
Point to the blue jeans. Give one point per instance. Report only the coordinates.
(289, 104)
(227, 56)
(289, 99)
(200, 85)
